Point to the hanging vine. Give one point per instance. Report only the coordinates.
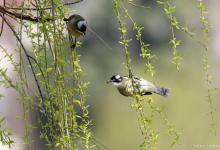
(169, 10)
(140, 104)
(205, 28)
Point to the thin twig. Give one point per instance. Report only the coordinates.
(2, 25)
(37, 66)
(136, 5)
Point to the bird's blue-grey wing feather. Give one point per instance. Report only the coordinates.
(145, 86)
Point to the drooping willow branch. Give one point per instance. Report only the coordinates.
(175, 25)
(5, 11)
(124, 41)
(26, 54)
(150, 135)
(204, 42)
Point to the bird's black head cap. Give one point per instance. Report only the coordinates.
(116, 78)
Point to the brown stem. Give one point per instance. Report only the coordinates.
(23, 16)
(38, 9)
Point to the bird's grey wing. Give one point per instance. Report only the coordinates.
(145, 86)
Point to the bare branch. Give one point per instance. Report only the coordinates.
(9, 11)
(2, 26)
(38, 66)
(22, 16)
(38, 9)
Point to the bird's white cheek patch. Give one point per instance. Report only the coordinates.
(80, 23)
(116, 84)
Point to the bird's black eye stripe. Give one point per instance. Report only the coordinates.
(113, 78)
(116, 80)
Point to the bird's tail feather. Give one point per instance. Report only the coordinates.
(163, 91)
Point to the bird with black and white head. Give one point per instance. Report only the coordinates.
(135, 85)
(76, 26)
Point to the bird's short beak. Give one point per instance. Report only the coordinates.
(109, 81)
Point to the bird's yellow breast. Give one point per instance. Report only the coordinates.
(126, 89)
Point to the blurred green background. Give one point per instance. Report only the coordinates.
(115, 122)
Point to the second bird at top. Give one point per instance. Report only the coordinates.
(76, 25)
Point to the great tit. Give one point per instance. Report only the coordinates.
(130, 86)
(76, 26)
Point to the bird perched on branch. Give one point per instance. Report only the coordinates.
(134, 85)
(76, 26)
